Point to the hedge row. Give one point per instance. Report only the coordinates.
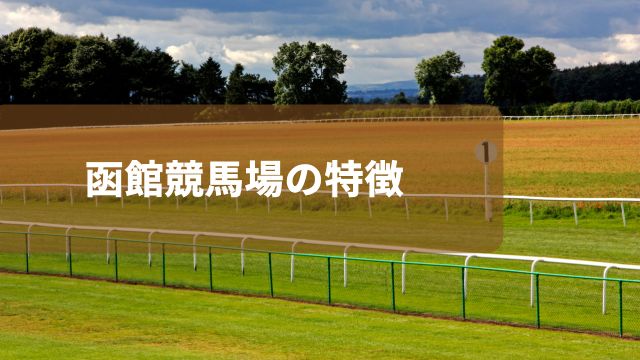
(584, 107)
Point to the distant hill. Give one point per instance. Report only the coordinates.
(384, 90)
(393, 85)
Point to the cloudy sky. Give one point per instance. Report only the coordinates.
(384, 39)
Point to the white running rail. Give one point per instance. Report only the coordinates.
(343, 120)
(573, 200)
(345, 246)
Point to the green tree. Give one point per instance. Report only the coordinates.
(602, 82)
(52, 82)
(259, 90)
(211, 83)
(473, 88)
(187, 88)
(129, 69)
(399, 99)
(7, 71)
(309, 74)
(248, 88)
(236, 92)
(504, 84)
(541, 65)
(91, 68)
(515, 77)
(159, 78)
(437, 78)
(26, 47)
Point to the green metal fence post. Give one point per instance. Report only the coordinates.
(115, 259)
(70, 259)
(329, 280)
(464, 300)
(270, 277)
(164, 275)
(26, 252)
(538, 301)
(210, 271)
(392, 265)
(620, 306)
(393, 288)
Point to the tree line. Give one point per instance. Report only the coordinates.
(513, 76)
(43, 67)
(528, 82)
(600, 82)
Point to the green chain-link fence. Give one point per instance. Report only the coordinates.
(468, 292)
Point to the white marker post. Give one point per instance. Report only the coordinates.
(486, 152)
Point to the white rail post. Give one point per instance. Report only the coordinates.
(149, 202)
(575, 213)
(369, 204)
(533, 285)
(406, 207)
(344, 265)
(71, 195)
(404, 271)
(446, 209)
(624, 218)
(177, 202)
(466, 274)
(122, 202)
(300, 202)
(195, 252)
(1, 198)
(46, 191)
(108, 248)
(29, 240)
(487, 202)
(242, 255)
(67, 242)
(530, 212)
(24, 196)
(604, 289)
(149, 247)
(335, 207)
(293, 259)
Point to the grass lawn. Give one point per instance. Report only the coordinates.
(504, 297)
(49, 317)
(67, 318)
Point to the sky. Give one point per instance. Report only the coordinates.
(384, 39)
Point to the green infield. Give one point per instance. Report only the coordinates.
(45, 317)
(600, 235)
(492, 296)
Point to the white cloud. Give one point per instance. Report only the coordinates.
(187, 52)
(192, 36)
(13, 15)
(249, 57)
(24, 13)
(628, 42)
